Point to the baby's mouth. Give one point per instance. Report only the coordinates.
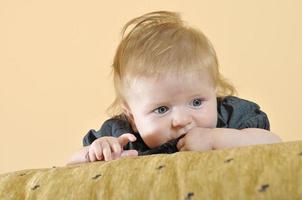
(171, 145)
(185, 129)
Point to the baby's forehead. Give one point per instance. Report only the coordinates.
(175, 78)
(170, 83)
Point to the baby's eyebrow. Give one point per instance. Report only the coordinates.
(157, 104)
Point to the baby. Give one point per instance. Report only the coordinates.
(169, 88)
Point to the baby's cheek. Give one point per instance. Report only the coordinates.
(208, 120)
(153, 135)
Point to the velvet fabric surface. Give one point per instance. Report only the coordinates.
(272, 171)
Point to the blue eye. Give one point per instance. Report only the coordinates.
(161, 109)
(196, 102)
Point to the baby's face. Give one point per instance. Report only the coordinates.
(166, 108)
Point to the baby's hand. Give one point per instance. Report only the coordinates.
(110, 148)
(197, 139)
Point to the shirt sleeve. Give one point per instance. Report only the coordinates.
(114, 127)
(237, 113)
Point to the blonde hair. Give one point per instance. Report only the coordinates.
(160, 43)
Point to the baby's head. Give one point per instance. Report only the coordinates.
(166, 78)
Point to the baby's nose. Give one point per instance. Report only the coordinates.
(181, 119)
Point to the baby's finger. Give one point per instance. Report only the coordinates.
(184, 148)
(125, 138)
(106, 151)
(98, 150)
(129, 153)
(91, 155)
(180, 143)
(116, 149)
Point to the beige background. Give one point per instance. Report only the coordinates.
(55, 59)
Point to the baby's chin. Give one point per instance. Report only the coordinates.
(153, 140)
(167, 148)
(155, 144)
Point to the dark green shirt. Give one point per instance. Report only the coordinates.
(233, 112)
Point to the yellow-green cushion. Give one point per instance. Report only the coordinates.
(256, 172)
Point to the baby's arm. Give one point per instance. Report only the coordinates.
(201, 139)
(104, 148)
(227, 137)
